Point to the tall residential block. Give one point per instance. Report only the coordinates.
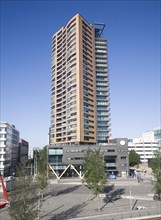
(80, 112)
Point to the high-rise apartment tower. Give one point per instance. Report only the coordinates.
(79, 84)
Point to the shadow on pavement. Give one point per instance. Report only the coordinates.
(50, 212)
(69, 213)
(108, 188)
(112, 195)
(62, 191)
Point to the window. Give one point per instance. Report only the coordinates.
(86, 121)
(86, 126)
(86, 132)
(71, 22)
(123, 157)
(55, 159)
(56, 151)
(71, 27)
(86, 109)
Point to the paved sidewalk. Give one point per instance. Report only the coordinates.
(69, 199)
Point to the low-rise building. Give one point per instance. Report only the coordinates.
(115, 156)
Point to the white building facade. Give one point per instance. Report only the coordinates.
(147, 145)
(9, 144)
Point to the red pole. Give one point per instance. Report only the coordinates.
(5, 195)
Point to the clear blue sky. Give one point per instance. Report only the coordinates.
(133, 32)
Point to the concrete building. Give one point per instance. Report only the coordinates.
(147, 145)
(23, 151)
(79, 84)
(9, 143)
(80, 104)
(115, 155)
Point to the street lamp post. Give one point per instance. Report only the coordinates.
(130, 199)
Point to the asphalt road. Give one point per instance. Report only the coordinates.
(70, 199)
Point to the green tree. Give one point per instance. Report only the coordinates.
(42, 176)
(134, 158)
(24, 196)
(156, 167)
(42, 160)
(42, 182)
(94, 169)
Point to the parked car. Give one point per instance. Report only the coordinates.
(112, 176)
